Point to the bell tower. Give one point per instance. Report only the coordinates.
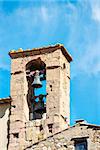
(36, 114)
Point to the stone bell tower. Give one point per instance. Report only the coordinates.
(35, 115)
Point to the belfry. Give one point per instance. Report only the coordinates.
(36, 116)
(43, 113)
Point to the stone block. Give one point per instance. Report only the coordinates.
(38, 122)
(29, 134)
(55, 76)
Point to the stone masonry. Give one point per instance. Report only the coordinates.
(23, 131)
(65, 140)
(36, 121)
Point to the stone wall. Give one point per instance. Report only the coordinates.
(65, 140)
(22, 133)
(57, 101)
(4, 117)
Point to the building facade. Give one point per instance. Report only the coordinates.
(37, 115)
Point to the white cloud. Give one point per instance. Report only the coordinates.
(24, 23)
(90, 61)
(96, 13)
(84, 39)
(20, 25)
(44, 13)
(95, 5)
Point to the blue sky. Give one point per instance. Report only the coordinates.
(74, 23)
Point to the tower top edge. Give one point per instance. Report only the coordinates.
(37, 51)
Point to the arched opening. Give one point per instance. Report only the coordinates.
(36, 96)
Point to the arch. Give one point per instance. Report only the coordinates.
(36, 107)
(36, 64)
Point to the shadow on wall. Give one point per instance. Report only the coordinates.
(3, 109)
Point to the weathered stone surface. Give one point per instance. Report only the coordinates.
(53, 131)
(4, 117)
(57, 101)
(65, 140)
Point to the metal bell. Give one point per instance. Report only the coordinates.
(37, 83)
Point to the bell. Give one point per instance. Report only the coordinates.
(37, 83)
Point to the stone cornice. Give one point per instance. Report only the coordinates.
(37, 51)
(5, 100)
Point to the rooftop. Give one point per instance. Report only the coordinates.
(5, 100)
(78, 124)
(42, 50)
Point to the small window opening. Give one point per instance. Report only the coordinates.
(64, 66)
(41, 127)
(81, 144)
(36, 97)
(16, 135)
(50, 127)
